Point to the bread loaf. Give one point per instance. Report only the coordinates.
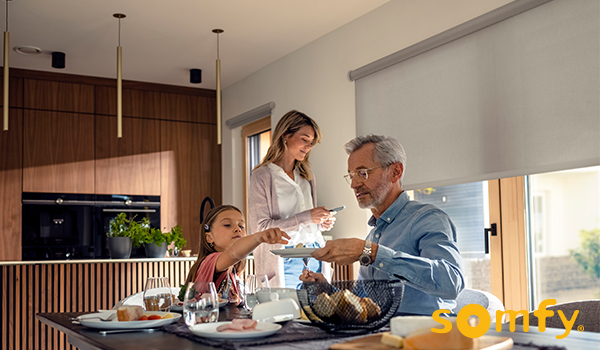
(129, 313)
(349, 307)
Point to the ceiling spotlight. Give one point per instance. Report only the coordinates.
(27, 50)
(195, 76)
(58, 60)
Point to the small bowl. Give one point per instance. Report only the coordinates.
(270, 294)
(185, 253)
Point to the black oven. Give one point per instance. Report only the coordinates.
(74, 226)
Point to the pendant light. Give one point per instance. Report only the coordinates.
(6, 46)
(218, 31)
(119, 81)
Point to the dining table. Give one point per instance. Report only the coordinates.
(293, 335)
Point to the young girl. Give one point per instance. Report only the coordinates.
(224, 247)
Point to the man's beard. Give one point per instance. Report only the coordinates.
(375, 196)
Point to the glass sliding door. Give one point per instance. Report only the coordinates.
(564, 235)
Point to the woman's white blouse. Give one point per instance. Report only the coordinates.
(294, 196)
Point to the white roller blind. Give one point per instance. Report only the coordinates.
(514, 98)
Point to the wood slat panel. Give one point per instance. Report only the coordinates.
(15, 95)
(11, 175)
(130, 164)
(58, 96)
(58, 152)
(78, 287)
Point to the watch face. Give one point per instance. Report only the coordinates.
(365, 259)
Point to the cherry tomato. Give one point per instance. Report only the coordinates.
(143, 318)
(154, 317)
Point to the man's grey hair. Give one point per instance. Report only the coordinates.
(387, 150)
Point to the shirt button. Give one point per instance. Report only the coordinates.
(380, 264)
(377, 236)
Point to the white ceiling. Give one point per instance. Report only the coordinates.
(162, 40)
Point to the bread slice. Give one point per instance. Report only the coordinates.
(129, 313)
(324, 306)
(349, 307)
(373, 310)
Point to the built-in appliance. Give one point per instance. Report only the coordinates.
(74, 226)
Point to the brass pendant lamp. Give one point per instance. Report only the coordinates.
(218, 31)
(6, 51)
(119, 80)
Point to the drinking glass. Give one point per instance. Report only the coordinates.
(254, 284)
(157, 294)
(201, 303)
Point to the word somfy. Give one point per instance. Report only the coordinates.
(462, 319)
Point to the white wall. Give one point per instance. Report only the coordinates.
(314, 80)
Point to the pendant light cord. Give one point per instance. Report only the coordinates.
(7, 15)
(217, 45)
(119, 32)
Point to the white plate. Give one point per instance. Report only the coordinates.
(115, 324)
(294, 252)
(179, 308)
(209, 330)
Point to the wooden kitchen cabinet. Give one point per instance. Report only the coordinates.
(58, 152)
(131, 164)
(58, 96)
(189, 108)
(10, 186)
(190, 171)
(136, 103)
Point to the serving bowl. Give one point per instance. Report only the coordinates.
(350, 306)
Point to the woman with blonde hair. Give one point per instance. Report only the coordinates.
(282, 194)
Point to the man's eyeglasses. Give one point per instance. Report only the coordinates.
(362, 174)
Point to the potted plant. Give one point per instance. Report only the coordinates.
(156, 243)
(119, 237)
(176, 240)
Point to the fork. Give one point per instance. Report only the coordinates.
(109, 318)
(305, 262)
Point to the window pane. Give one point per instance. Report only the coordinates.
(564, 234)
(468, 207)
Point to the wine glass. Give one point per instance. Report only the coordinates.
(201, 303)
(254, 284)
(157, 294)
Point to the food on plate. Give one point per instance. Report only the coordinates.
(373, 310)
(299, 245)
(324, 306)
(154, 317)
(129, 313)
(394, 341)
(238, 325)
(424, 338)
(143, 318)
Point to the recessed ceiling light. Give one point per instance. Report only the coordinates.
(28, 50)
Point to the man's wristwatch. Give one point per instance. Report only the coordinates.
(365, 258)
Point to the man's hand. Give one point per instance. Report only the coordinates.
(343, 251)
(309, 276)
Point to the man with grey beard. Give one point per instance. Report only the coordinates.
(411, 241)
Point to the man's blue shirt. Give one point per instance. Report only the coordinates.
(417, 242)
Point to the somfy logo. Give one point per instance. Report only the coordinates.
(462, 320)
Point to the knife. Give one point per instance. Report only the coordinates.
(147, 330)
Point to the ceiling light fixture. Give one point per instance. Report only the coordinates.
(218, 31)
(27, 50)
(119, 81)
(6, 46)
(195, 76)
(58, 60)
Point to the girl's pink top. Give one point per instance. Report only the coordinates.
(206, 273)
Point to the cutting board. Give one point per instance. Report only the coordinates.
(373, 342)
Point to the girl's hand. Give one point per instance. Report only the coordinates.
(272, 236)
(320, 215)
(309, 276)
(328, 224)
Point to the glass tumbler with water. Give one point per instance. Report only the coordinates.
(254, 284)
(157, 294)
(201, 303)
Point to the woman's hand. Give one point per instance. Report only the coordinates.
(309, 276)
(320, 215)
(272, 236)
